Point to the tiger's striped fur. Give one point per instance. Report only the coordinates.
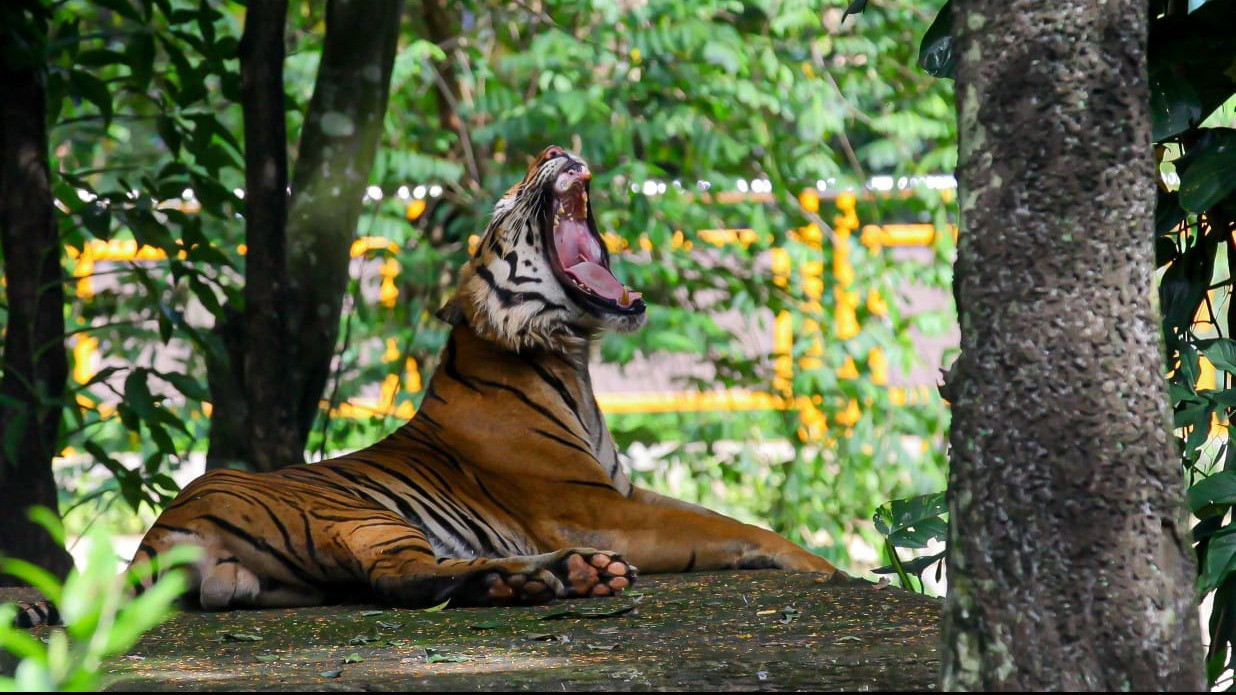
(506, 487)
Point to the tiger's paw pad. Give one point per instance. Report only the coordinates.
(521, 588)
(597, 573)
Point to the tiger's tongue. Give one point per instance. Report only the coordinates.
(581, 257)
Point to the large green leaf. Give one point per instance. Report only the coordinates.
(1191, 59)
(1211, 174)
(913, 522)
(1184, 286)
(1174, 105)
(1220, 558)
(1213, 494)
(1167, 212)
(1221, 352)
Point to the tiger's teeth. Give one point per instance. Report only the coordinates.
(626, 297)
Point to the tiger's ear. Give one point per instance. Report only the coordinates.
(450, 312)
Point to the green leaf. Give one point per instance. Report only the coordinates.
(1224, 398)
(35, 576)
(855, 7)
(49, 520)
(187, 385)
(435, 609)
(1174, 105)
(353, 658)
(1220, 560)
(1167, 212)
(331, 674)
(1213, 494)
(1192, 413)
(1190, 59)
(1221, 352)
(914, 521)
(151, 607)
(915, 566)
(1183, 288)
(97, 218)
(434, 656)
(935, 54)
(139, 56)
(92, 89)
(1211, 174)
(169, 132)
(137, 394)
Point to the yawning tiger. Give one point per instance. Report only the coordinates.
(505, 488)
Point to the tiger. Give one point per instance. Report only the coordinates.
(505, 487)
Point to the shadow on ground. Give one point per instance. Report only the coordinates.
(753, 630)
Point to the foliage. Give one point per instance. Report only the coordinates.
(672, 102)
(101, 619)
(1192, 113)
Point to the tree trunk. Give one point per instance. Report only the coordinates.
(247, 429)
(1069, 560)
(337, 147)
(272, 432)
(34, 363)
(296, 274)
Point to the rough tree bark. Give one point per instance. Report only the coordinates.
(272, 431)
(340, 140)
(1069, 561)
(34, 363)
(264, 409)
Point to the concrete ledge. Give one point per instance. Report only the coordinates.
(749, 630)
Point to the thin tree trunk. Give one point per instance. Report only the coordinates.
(440, 25)
(337, 148)
(1069, 561)
(247, 429)
(280, 351)
(273, 435)
(34, 363)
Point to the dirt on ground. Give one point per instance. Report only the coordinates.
(747, 630)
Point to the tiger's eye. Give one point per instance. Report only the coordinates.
(553, 152)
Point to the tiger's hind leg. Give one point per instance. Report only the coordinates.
(401, 567)
(229, 584)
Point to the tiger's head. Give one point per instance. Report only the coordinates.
(540, 277)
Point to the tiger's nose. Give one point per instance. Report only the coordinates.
(573, 175)
(580, 171)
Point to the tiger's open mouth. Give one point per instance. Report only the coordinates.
(578, 256)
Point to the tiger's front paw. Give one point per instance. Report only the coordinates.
(587, 572)
(533, 587)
